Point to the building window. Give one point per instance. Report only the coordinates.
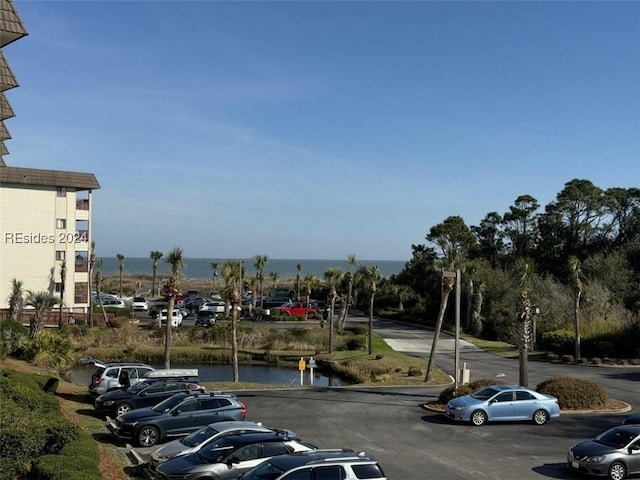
(58, 287)
(81, 294)
(61, 191)
(82, 264)
(60, 254)
(61, 223)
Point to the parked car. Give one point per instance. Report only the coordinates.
(503, 403)
(112, 376)
(139, 304)
(113, 303)
(297, 308)
(200, 438)
(206, 318)
(318, 464)
(193, 304)
(229, 456)
(614, 454)
(146, 393)
(217, 306)
(176, 318)
(632, 420)
(273, 302)
(177, 416)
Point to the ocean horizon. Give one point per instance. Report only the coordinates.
(196, 268)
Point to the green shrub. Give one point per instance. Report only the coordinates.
(414, 372)
(357, 329)
(13, 336)
(355, 343)
(78, 460)
(560, 342)
(574, 393)
(12, 468)
(484, 382)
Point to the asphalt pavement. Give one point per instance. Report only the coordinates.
(412, 443)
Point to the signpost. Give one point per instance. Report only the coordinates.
(301, 366)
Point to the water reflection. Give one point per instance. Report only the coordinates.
(269, 375)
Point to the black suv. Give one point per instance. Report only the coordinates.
(325, 464)
(177, 416)
(206, 318)
(146, 393)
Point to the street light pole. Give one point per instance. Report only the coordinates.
(456, 361)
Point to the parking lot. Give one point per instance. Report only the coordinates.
(413, 443)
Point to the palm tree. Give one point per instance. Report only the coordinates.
(63, 279)
(214, 267)
(15, 299)
(308, 281)
(574, 265)
(298, 270)
(525, 278)
(41, 302)
(332, 276)
(231, 271)
(98, 282)
(351, 262)
(260, 263)
(448, 283)
(370, 276)
(274, 278)
(155, 256)
(120, 258)
(92, 261)
(175, 259)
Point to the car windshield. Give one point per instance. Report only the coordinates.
(484, 393)
(264, 471)
(615, 438)
(168, 404)
(199, 436)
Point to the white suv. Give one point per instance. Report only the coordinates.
(325, 464)
(176, 319)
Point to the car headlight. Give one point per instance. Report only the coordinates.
(458, 409)
(597, 459)
(108, 403)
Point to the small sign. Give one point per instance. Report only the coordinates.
(312, 363)
(302, 364)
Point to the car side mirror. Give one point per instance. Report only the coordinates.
(176, 412)
(634, 448)
(231, 461)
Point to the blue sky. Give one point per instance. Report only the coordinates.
(315, 130)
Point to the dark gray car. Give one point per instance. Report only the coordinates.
(614, 454)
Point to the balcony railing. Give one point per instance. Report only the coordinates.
(82, 204)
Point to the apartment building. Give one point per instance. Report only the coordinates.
(45, 215)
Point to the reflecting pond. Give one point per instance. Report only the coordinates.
(270, 375)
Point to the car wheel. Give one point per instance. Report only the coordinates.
(540, 417)
(617, 471)
(148, 436)
(123, 408)
(478, 418)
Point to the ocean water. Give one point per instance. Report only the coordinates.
(201, 267)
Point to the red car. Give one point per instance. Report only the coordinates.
(297, 308)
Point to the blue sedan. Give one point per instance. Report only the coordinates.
(503, 403)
